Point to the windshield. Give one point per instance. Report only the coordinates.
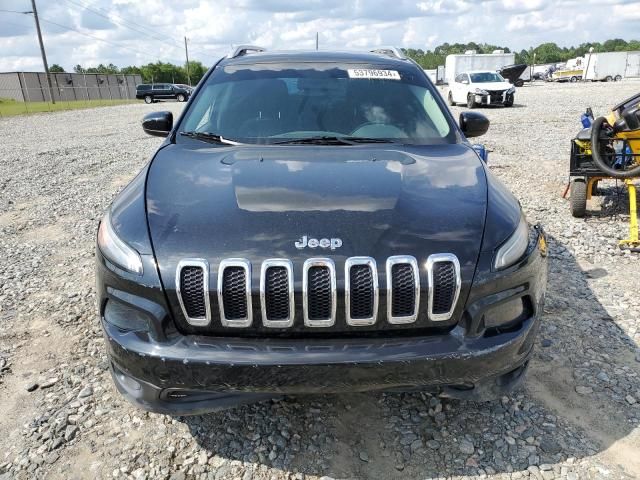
(486, 77)
(271, 103)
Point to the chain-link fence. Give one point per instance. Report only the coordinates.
(29, 92)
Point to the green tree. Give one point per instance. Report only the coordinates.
(55, 68)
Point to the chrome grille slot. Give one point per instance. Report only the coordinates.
(234, 292)
(361, 291)
(403, 289)
(443, 271)
(276, 293)
(192, 289)
(319, 292)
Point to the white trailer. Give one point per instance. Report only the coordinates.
(431, 73)
(456, 64)
(633, 65)
(606, 66)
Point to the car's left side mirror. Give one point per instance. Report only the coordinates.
(158, 124)
(473, 124)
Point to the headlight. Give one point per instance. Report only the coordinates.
(115, 250)
(480, 91)
(514, 248)
(511, 90)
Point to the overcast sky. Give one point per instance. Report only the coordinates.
(133, 32)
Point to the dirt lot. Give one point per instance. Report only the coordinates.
(60, 416)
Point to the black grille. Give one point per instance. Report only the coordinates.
(192, 291)
(403, 291)
(234, 293)
(361, 285)
(496, 96)
(319, 301)
(444, 286)
(277, 293)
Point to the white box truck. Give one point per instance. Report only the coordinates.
(606, 66)
(456, 64)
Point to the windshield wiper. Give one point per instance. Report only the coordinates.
(210, 137)
(331, 140)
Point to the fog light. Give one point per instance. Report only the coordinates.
(506, 313)
(129, 383)
(125, 317)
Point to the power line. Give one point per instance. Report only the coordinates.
(98, 38)
(14, 11)
(158, 36)
(65, 27)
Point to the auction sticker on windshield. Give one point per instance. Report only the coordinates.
(369, 73)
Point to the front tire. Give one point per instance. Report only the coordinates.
(471, 101)
(578, 198)
(450, 100)
(148, 99)
(181, 97)
(509, 102)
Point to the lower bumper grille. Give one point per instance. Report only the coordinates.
(319, 291)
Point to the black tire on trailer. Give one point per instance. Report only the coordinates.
(519, 83)
(578, 198)
(609, 78)
(450, 99)
(573, 79)
(471, 101)
(148, 99)
(617, 78)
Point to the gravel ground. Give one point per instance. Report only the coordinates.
(60, 416)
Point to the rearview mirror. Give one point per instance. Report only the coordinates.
(473, 124)
(158, 124)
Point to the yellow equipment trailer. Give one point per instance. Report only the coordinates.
(609, 149)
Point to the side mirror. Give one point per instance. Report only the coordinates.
(473, 124)
(158, 124)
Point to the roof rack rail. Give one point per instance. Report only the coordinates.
(390, 51)
(241, 50)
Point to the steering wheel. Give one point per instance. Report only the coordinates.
(388, 131)
(605, 156)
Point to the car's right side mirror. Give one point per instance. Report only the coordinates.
(158, 124)
(473, 124)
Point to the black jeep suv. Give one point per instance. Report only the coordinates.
(162, 91)
(316, 222)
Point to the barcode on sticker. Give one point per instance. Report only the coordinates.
(369, 73)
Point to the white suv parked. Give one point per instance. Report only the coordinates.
(481, 88)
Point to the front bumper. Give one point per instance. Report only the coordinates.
(198, 374)
(494, 99)
(165, 371)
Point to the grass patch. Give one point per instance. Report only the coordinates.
(9, 107)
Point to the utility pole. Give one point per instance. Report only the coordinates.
(186, 53)
(44, 56)
(316, 40)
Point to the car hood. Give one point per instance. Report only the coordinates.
(256, 202)
(493, 86)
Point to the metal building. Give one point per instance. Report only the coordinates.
(33, 87)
